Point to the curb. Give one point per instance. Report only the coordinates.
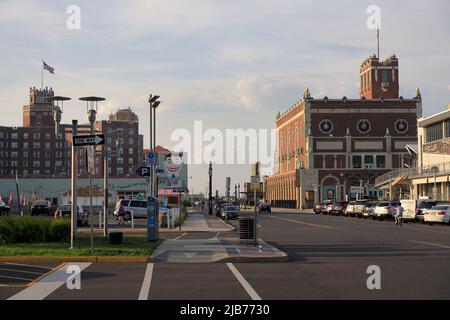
(94, 259)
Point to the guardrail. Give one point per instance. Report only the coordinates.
(427, 171)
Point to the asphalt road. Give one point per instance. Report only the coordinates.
(329, 260)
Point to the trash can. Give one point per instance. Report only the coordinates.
(247, 229)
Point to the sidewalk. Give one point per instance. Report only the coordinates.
(282, 210)
(215, 250)
(198, 222)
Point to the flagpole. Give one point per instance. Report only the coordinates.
(378, 38)
(42, 75)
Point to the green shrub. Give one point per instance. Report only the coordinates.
(6, 232)
(33, 230)
(59, 230)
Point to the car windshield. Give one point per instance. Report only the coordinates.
(41, 203)
(361, 203)
(440, 208)
(230, 208)
(65, 208)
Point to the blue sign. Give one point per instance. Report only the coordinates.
(151, 158)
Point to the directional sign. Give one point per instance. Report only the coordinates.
(91, 140)
(151, 158)
(143, 171)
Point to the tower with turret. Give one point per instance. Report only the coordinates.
(39, 111)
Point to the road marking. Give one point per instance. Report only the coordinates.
(251, 292)
(16, 278)
(46, 286)
(21, 271)
(179, 237)
(431, 244)
(27, 265)
(145, 289)
(300, 222)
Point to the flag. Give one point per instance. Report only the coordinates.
(48, 68)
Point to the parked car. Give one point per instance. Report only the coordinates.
(4, 209)
(438, 214)
(422, 208)
(41, 207)
(264, 207)
(126, 207)
(327, 206)
(66, 211)
(369, 211)
(349, 210)
(360, 207)
(338, 208)
(229, 212)
(318, 208)
(385, 210)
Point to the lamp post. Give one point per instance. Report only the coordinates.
(92, 107)
(210, 171)
(153, 103)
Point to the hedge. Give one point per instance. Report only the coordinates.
(32, 230)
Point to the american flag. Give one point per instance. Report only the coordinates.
(48, 68)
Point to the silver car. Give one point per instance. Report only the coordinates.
(124, 208)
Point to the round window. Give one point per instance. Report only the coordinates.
(401, 126)
(364, 126)
(326, 126)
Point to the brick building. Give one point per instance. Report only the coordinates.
(37, 150)
(335, 148)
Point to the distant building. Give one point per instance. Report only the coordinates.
(36, 150)
(336, 148)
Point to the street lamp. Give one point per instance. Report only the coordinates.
(91, 107)
(210, 172)
(153, 103)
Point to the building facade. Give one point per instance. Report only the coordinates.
(335, 148)
(432, 177)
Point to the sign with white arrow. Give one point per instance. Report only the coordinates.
(91, 140)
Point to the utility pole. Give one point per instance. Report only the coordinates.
(210, 171)
(153, 103)
(105, 188)
(73, 187)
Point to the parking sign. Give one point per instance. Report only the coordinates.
(151, 158)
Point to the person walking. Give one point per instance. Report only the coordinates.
(399, 216)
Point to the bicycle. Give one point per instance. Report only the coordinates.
(398, 221)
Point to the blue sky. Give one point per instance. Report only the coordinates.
(232, 64)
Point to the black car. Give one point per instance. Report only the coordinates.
(339, 207)
(41, 207)
(66, 211)
(264, 207)
(422, 208)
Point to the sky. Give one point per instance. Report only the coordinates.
(230, 64)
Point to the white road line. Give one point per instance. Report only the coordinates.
(44, 287)
(300, 222)
(145, 289)
(179, 237)
(431, 244)
(251, 292)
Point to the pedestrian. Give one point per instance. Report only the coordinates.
(121, 216)
(399, 215)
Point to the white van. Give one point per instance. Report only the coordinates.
(409, 209)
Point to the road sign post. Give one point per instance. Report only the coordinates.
(255, 186)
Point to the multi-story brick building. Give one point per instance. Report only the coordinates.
(37, 150)
(335, 148)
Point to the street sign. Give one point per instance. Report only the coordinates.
(177, 190)
(255, 183)
(166, 183)
(151, 158)
(91, 140)
(143, 171)
(90, 154)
